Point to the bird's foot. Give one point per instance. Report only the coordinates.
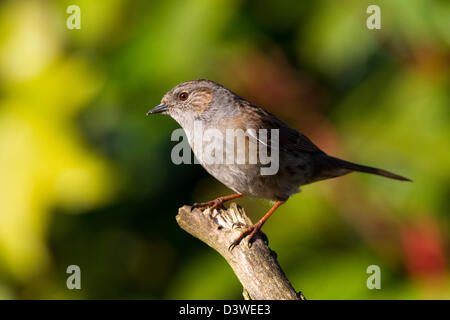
(213, 204)
(216, 203)
(251, 232)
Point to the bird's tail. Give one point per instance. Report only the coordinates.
(357, 167)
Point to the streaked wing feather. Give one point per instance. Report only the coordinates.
(289, 138)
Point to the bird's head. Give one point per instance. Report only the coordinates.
(196, 100)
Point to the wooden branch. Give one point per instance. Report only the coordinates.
(256, 267)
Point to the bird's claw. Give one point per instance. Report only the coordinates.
(232, 246)
(237, 225)
(251, 232)
(238, 240)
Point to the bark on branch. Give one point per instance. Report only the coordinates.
(256, 268)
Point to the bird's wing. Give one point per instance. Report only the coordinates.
(289, 138)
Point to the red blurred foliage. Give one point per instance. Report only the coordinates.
(424, 249)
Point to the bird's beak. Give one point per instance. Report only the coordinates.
(158, 109)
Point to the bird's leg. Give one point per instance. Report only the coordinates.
(252, 230)
(214, 204)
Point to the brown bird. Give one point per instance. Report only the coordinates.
(210, 106)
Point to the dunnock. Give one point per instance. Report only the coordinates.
(300, 161)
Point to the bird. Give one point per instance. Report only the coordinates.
(300, 161)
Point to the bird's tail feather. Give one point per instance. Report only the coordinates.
(357, 167)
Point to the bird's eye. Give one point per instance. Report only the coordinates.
(183, 96)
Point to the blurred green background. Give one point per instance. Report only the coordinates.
(86, 177)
